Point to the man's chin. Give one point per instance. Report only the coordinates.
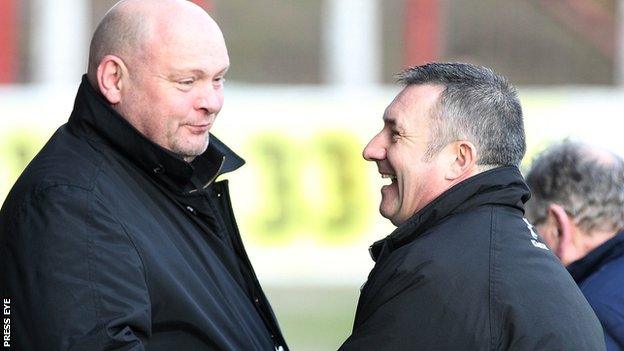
(188, 152)
(387, 213)
(392, 215)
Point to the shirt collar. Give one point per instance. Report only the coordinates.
(95, 117)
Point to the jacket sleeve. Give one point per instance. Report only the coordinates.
(406, 313)
(74, 277)
(386, 328)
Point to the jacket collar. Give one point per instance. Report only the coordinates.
(499, 186)
(597, 258)
(94, 117)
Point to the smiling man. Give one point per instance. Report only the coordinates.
(464, 270)
(117, 236)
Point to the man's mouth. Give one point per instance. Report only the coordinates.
(198, 128)
(392, 177)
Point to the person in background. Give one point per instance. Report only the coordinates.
(464, 270)
(117, 236)
(578, 208)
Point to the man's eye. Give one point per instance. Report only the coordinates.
(219, 80)
(186, 81)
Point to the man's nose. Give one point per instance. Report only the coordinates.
(374, 151)
(210, 99)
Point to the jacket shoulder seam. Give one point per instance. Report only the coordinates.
(88, 188)
(97, 300)
(25, 202)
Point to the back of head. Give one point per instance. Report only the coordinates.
(477, 105)
(588, 182)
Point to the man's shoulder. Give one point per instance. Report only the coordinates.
(533, 298)
(606, 284)
(487, 235)
(489, 250)
(65, 160)
(522, 267)
(454, 251)
(604, 290)
(461, 235)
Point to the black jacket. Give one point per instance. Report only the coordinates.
(109, 241)
(468, 273)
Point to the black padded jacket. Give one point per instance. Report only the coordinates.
(110, 242)
(468, 272)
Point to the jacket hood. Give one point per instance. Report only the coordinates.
(94, 117)
(499, 186)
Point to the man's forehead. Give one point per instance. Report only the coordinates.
(178, 52)
(419, 93)
(209, 68)
(181, 25)
(413, 97)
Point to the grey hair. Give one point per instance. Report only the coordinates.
(586, 181)
(476, 105)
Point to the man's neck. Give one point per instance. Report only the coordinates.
(592, 239)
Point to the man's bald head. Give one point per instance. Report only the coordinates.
(130, 25)
(161, 65)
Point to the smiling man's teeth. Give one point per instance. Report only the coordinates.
(391, 176)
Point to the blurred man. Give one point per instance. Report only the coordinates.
(578, 207)
(117, 236)
(463, 270)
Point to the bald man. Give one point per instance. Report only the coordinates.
(117, 236)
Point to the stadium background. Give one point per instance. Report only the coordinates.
(308, 84)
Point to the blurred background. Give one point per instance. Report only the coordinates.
(306, 91)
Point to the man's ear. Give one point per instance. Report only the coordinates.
(462, 159)
(564, 248)
(110, 74)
